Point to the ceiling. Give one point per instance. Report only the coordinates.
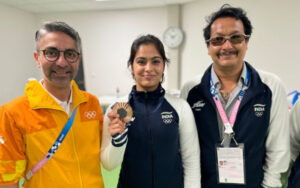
(41, 6)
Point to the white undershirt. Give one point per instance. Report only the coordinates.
(66, 105)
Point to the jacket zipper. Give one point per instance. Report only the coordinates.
(150, 136)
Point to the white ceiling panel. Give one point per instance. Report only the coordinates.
(40, 6)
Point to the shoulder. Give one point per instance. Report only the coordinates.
(17, 104)
(189, 85)
(92, 100)
(179, 104)
(271, 80)
(89, 96)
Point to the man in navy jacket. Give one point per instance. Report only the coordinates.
(238, 107)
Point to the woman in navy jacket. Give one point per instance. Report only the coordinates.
(159, 147)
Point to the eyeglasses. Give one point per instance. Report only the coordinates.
(53, 54)
(234, 39)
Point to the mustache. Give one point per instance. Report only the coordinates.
(231, 52)
(60, 69)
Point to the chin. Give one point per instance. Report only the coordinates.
(227, 63)
(62, 83)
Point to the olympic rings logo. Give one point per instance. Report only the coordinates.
(90, 114)
(167, 121)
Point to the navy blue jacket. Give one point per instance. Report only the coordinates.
(294, 178)
(250, 128)
(152, 157)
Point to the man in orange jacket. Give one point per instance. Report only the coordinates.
(30, 124)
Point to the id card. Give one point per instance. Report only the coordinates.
(231, 164)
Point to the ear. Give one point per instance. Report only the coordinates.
(36, 58)
(208, 50)
(131, 71)
(247, 41)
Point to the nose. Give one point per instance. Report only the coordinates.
(61, 61)
(148, 66)
(227, 44)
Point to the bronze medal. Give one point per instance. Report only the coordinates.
(124, 110)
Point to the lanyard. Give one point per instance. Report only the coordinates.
(53, 148)
(229, 123)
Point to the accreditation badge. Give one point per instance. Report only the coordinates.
(231, 164)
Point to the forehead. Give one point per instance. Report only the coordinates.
(147, 50)
(226, 26)
(58, 40)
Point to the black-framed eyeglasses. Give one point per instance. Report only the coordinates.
(53, 54)
(234, 39)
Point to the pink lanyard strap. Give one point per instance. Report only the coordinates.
(222, 113)
(234, 112)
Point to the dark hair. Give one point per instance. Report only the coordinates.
(227, 11)
(57, 26)
(144, 40)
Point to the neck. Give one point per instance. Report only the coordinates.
(228, 78)
(62, 93)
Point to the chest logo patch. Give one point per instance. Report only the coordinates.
(259, 109)
(167, 117)
(197, 106)
(90, 114)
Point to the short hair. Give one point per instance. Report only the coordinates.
(227, 11)
(145, 40)
(57, 26)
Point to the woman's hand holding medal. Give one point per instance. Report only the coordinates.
(120, 115)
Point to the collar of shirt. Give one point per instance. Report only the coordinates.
(66, 105)
(236, 90)
(216, 80)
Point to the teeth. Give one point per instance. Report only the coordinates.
(228, 53)
(62, 71)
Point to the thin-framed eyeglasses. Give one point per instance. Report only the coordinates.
(233, 39)
(53, 54)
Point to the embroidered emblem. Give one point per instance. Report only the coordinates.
(90, 114)
(198, 105)
(259, 109)
(167, 117)
(1, 140)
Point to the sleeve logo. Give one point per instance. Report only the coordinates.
(90, 114)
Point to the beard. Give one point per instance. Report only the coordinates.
(60, 77)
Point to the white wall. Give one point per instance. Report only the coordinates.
(16, 49)
(274, 45)
(106, 38)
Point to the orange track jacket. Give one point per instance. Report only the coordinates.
(30, 124)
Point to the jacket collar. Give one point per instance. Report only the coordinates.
(39, 98)
(158, 92)
(255, 88)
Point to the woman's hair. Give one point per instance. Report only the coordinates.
(145, 40)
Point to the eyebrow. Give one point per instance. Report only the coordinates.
(233, 33)
(52, 47)
(155, 57)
